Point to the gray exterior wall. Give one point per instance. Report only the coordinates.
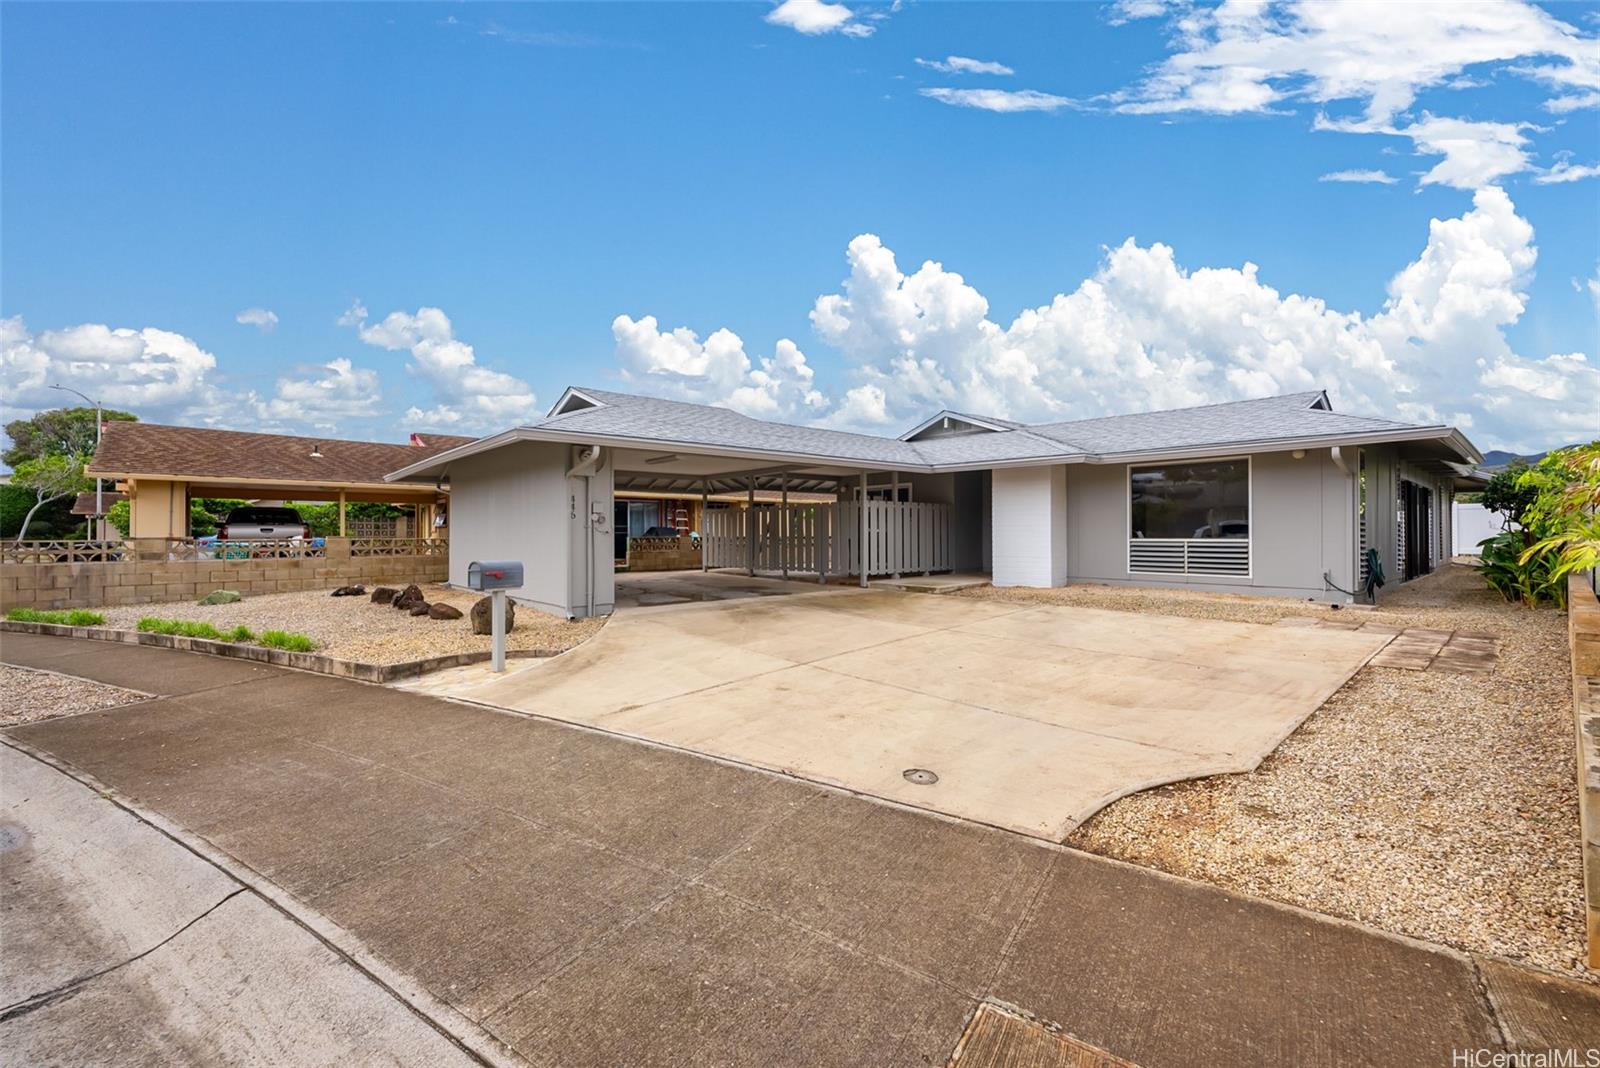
(517, 503)
(1302, 519)
(1385, 471)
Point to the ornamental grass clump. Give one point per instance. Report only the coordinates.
(294, 643)
(76, 617)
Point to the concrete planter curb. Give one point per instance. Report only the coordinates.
(322, 665)
(1583, 633)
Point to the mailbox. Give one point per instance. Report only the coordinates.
(494, 574)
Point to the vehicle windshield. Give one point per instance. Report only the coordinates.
(266, 516)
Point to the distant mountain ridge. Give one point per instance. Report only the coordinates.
(1499, 459)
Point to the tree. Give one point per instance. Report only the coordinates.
(1566, 511)
(1509, 494)
(58, 432)
(51, 478)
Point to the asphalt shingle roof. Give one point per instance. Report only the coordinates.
(1284, 418)
(1266, 419)
(154, 450)
(653, 419)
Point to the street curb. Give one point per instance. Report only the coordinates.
(322, 665)
(471, 1037)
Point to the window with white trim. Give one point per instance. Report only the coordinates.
(1189, 518)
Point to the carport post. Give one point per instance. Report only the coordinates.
(861, 553)
(750, 524)
(783, 524)
(892, 521)
(705, 535)
(341, 513)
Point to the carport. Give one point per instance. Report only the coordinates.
(894, 531)
(547, 495)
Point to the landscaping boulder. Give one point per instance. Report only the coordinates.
(443, 611)
(350, 591)
(410, 597)
(221, 597)
(420, 608)
(383, 595)
(483, 616)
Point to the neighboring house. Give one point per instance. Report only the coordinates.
(1274, 496)
(94, 507)
(161, 468)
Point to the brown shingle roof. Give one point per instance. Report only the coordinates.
(84, 504)
(155, 451)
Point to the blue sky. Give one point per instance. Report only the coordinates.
(437, 216)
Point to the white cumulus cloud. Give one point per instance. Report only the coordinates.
(1475, 154)
(1144, 332)
(323, 400)
(263, 319)
(158, 374)
(466, 395)
(676, 364)
(964, 65)
(815, 17)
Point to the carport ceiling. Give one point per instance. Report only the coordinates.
(690, 474)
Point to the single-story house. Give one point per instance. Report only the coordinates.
(161, 468)
(1277, 496)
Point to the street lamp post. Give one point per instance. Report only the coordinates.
(99, 423)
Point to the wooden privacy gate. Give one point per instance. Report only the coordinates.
(902, 537)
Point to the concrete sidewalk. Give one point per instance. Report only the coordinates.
(123, 947)
(595, 901)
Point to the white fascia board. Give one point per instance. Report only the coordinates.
(471, 448)
(1319, 441)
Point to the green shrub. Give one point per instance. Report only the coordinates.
(282, 639)
(240, 633)
(1507, 569)
(76, 617)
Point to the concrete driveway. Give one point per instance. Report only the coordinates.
(577, 899)
(1031, 717)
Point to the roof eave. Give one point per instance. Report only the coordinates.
(434, 465)
(1450, 435)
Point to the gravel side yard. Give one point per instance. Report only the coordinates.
(27, 696)
(353, 628)
(1436, 805)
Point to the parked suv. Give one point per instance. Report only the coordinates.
(254, 523)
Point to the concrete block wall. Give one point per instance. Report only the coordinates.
(148, 581)
(1583, 632)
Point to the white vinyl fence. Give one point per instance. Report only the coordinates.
(1473, 523)
(901, 538)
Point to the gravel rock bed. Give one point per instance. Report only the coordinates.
(353, 628)
(28, 696)
(1440, 806)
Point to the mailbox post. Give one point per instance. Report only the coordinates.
(496, 576)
